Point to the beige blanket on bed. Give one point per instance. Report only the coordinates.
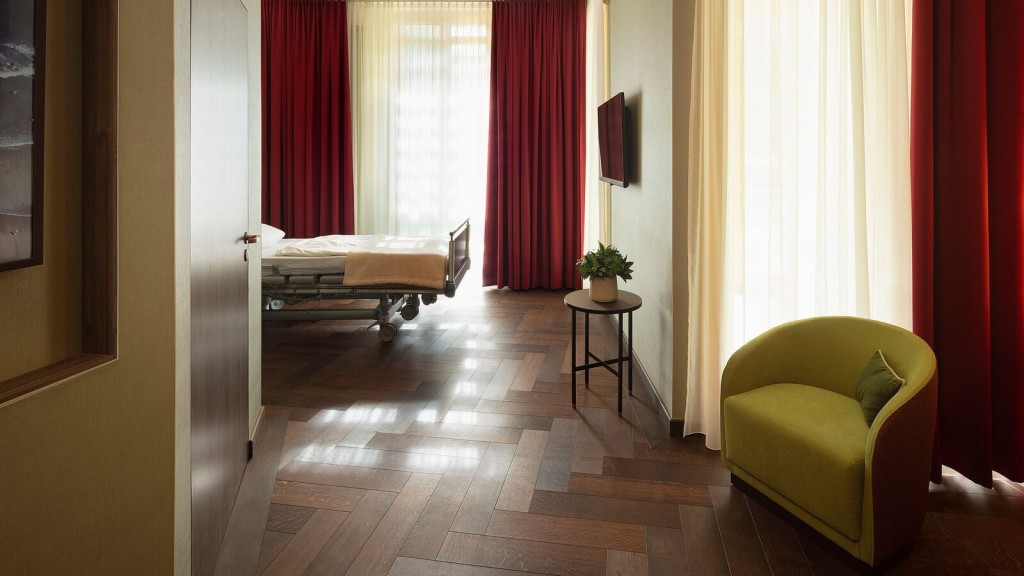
(405, 260)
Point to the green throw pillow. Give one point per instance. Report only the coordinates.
(877, 384)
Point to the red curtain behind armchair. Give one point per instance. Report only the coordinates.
(967, 154)
(307, 128)
(533, 232)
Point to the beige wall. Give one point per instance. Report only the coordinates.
(650, 43)
(41, 312)
(89, 463)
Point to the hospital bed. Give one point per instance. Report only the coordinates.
(400, 272)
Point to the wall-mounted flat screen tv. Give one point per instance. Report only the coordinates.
(613, 140)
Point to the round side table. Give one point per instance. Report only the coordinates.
(579, 301)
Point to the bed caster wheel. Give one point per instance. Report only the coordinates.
(409, 311)
(276, 304)
(387, 332)
(429, 298)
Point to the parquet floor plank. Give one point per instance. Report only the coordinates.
(349, 476)
(382, 548)
(301, 436)
(413, 407)
(334, 432)
(605, 508)
(652, 490)
(428, 534)
(502, 380)
(303, 548)
(618, 431)
(666, 471)
(590, 452)
(418, 567)
(369, 426)
(821, 561)
(705, 552)
(316, 495)
(743, 548)
(466, 432)
(477, 506)
(429, 445)
(780, 542)
(529, 556)
(666, 552)
(557, 463)
(348, 540)
(563, 398)
(289, 519)
(626, 563)
(270, 547)
(642, 451)
(458, 385)
(567, 530)
(517, 491)
(388, 460)
(525, 409)
(499, 420)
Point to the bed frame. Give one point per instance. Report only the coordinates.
(281, 289)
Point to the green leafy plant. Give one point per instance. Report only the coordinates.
(605, 262)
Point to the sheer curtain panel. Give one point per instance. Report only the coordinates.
(420, 72)
(800, 204)
(307, 128)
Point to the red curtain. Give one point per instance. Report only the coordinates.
(307, 122)
(967, 170)
(533, 233)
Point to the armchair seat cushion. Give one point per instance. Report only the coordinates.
(807, 443)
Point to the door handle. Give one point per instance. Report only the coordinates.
(250, 238)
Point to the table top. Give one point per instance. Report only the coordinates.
(580, 300)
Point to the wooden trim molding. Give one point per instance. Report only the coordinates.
(99, 216)
(99, 177)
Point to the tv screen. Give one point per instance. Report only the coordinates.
(613, 140)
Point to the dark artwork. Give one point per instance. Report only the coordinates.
(17, 77)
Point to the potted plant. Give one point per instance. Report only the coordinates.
(601, 267)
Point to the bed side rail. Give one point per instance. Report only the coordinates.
(458, 258)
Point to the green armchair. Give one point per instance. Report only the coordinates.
(793, 429)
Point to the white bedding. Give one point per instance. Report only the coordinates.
(335, 245)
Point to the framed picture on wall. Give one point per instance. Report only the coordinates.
(22, 25)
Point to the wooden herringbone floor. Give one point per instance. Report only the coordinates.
(455, 450)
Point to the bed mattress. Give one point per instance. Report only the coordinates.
(274, 264)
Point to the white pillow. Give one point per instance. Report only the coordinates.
(271, 235)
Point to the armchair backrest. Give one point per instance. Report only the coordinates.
(829, 352)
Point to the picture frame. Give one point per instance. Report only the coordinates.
(22, 51)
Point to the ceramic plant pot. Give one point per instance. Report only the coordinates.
(604, 289)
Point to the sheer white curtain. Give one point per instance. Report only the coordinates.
(800, 175)
(594, 204)
(420, 94)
